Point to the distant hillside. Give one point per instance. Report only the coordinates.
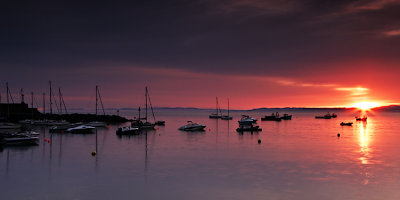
(392, 108)
(294, 108)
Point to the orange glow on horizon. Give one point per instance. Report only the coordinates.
(366, 105)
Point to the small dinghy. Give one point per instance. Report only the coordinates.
(286, 117)
(346, 124)
(272, 117)
(327, 116)
(361, 119)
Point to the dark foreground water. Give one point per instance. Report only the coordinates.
(298, 159)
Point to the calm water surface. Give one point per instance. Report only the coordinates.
(298, 159)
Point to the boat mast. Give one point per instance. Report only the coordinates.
(228, 107)
(139, 113)
(51, 103)
(22, 95)
(146, 103)
(32, 104)
(101, 101)
(96, 98)
(44, 103)
(8, 102)
(62, 102)
(59, 96)
(216, 105)
(151, 106)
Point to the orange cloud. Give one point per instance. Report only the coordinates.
(355, 91)
(392, 33)
(372, 5)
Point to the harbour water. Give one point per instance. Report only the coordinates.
(302, 158)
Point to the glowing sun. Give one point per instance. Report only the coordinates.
(366, 105)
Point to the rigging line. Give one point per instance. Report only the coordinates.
(10, 94)
(151, 106)
(55, 102)
(65, 107)
(62, 102)
(101, 102)
(34, 99)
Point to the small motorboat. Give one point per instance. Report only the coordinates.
(361, 118)
(245, 120)
(19, 139)
(286, 117)
(272, 117)
(333, 115)
(346, 124)
(127, 130)
(62, 128)
(81, 129)
(96, 124)
(191, 126)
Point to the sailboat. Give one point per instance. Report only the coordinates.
(97, 123)
(160, 122)
(226, 117)
(138, 123)
(217, 113)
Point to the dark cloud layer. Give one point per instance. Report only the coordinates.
(277, 38)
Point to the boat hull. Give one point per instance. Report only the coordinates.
(346, 124)
(226, 117)
(127, 131)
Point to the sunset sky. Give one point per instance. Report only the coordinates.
(278, 53)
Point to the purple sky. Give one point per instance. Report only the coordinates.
(258, 53)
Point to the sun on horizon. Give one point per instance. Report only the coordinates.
(366, 105)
